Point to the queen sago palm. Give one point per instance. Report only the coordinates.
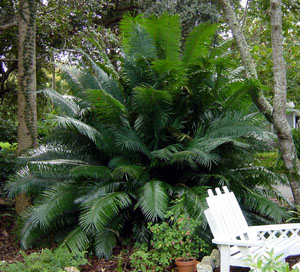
(164, 126)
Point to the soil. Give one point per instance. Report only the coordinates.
(10, 250)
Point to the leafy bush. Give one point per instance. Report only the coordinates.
(268, 263)
(170, 239)
(8, 130)
(296, 138)
(7, 165)
(167, 124)
(45, 261)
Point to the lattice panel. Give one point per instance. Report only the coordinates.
(274, 234)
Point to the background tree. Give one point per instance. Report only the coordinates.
(27, 115)
(277, 113)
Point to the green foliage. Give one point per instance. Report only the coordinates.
(269, 263)
(127, 144)
(45, 261)
(7, 165)
(175, 237)
(296, 138)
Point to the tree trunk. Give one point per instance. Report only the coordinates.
(286, 144)
(260, 101)
(277, 114)
(27, 115)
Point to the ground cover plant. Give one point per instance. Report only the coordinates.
(168, 122)
(46, 261)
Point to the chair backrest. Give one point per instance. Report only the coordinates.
(225, 217)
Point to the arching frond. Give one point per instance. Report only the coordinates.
(105, 81)
(127, 139)
(99, 45)
(197, 43)
(262, 205)
(93, 190)
(27, 183)
(67, 122)
(153, 200)
(136, 40)
(76, 240)
(72, 76)
(166, 33)
(56, 201)
(91, 172)
(127, 172)
(167, 152)
(67, 105)
(97, 213)
(108, 108)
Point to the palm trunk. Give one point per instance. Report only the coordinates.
(276, 115)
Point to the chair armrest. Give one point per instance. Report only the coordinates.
(292, 226)
(245, 243)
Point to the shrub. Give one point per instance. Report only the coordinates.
(268, 263)
(296, 138)
(7, 165)
(170, 239)
(45, 261)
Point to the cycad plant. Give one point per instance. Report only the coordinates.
(166, 124)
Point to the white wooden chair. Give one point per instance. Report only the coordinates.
(237, 241)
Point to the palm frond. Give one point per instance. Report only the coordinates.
(105, 242)
(136, 40)
(76, 240)
(167, 152)
(127, 139)
(72, 76)
(67, 105)
(197, 152)
(127, 172)
(153, 200)
(91, 172)
(56, 201)
(99, 45)
(108, 108)
(91, 191)
(166, 33)
(265, 207)
(82, 128)
(197, 43)
(25, 182)
(97, 213)
(153, 107)
(105, 81)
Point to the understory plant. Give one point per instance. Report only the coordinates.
(169, 122)
(269, 263)
(46, 261)
(171, 239)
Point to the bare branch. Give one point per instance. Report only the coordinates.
(7, 60)
(7, 26)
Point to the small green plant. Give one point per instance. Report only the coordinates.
(296, 138)
(268, 263)
(171, 239)
(46, 261)
(7, 165)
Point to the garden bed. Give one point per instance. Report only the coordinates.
(10, 252)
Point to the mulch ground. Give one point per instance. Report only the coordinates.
(10, 250)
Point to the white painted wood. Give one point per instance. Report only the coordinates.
(236, 240)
